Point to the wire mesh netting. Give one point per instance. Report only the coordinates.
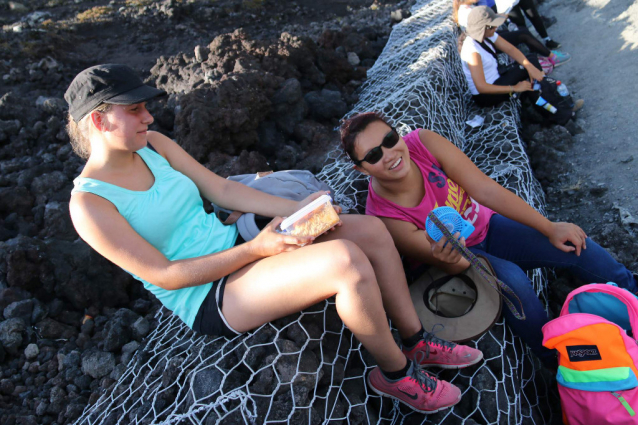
(308, 368)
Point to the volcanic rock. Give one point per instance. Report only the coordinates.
(326, 104)
(97, 364)
(52, 329)
(16, 199)
(207, 382)
(12, 332)
(140, 328)
(31, 352)
(21, 309)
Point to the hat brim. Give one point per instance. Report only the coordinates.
(478, 34)
(480, 319)
(139, 94)
(498, 21)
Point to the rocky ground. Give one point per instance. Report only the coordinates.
(253, 85)
(602, 37)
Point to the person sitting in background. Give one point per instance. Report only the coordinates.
(412, 175)
(138, 202)
(517, 10)
(480, 62)
(461, 10)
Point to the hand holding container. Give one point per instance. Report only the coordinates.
(314, 219)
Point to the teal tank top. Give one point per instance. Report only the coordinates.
(171, 217)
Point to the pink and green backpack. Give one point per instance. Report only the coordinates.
(597, 355)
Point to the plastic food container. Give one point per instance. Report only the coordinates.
(312, 220)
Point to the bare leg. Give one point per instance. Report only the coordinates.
(371, 235)
(289, 282)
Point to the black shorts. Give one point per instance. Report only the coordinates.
(210, 320)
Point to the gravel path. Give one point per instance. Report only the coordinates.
(602, 37)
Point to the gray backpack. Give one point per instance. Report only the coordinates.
(291, 184)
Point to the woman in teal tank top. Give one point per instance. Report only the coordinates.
(143, 211)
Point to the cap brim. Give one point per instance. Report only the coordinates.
(476, 30)
(498, 21)
(137, 95)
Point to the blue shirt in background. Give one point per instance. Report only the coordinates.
(488, 3)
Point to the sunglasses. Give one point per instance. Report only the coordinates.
(489, 27)
(375, 154)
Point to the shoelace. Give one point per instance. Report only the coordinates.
(431, 338)
(427, 382)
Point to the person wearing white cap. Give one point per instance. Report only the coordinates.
(480, 63)
(461, 10)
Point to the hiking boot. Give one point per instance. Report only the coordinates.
(418, 389)
(444, 354)
(578, 105)
(559, 58)
(551, 44)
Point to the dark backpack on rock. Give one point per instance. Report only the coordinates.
(563, 104)
(548, 91)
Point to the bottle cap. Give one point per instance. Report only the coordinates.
(558, 83)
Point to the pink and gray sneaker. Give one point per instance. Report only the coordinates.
(444, 354)
(418, 390)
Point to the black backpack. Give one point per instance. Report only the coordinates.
(563, 104)
(548, 91)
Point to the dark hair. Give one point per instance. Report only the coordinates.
(351, 128)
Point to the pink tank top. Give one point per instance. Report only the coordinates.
(439, 191)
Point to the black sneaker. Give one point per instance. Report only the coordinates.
(552, 44)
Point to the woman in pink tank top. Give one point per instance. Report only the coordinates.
(413, 174)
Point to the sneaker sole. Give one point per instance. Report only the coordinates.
(560, 63)
(425, 412)
(453, 366)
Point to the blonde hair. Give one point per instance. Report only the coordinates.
(79, 132)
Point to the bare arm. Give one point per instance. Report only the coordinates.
(225, 193)
(475, 64)
(487, 192)
(511, 50)
(98, 222)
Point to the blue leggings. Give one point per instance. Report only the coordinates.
(513, 248)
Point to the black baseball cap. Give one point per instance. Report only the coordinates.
(110, 83)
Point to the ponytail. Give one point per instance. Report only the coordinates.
(79, 132)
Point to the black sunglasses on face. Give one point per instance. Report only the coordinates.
(489, 27)
(375, 154)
